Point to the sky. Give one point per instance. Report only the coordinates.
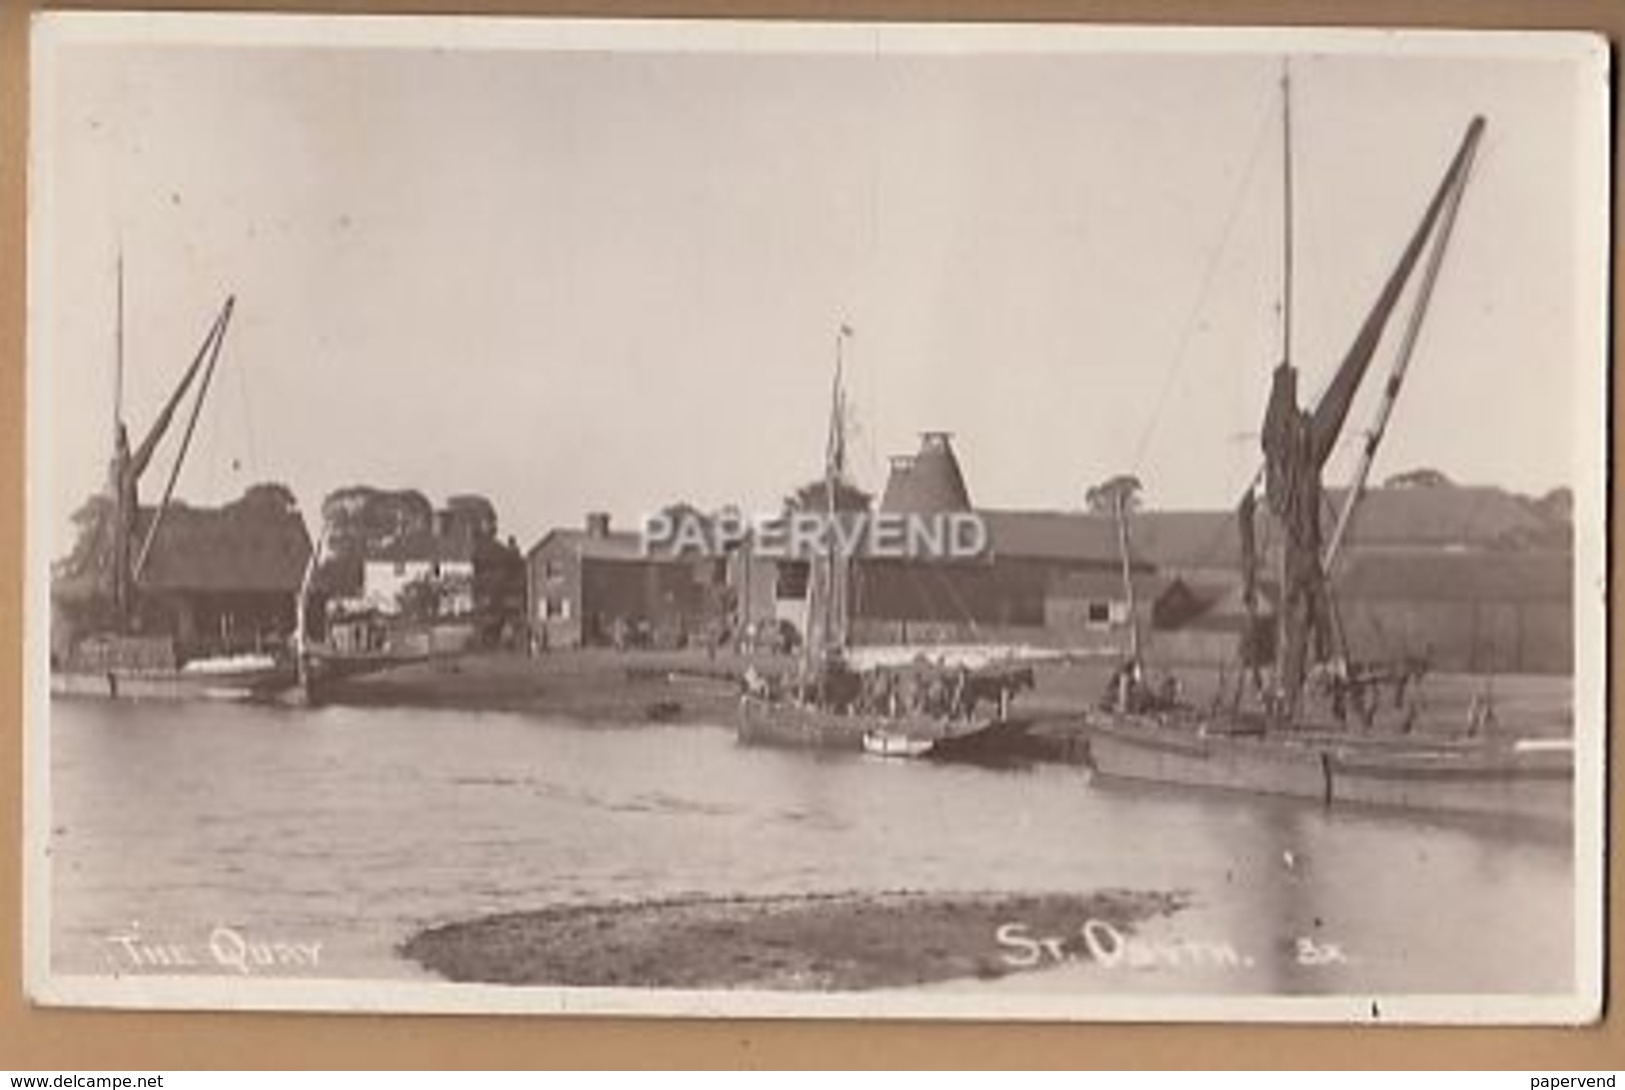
(612, 279)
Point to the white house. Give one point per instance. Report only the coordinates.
(445, 560)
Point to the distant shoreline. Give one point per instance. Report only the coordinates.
(627, 688)
(596, 685)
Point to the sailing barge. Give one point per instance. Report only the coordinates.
(831, 702)
(1286, 728)
(121, 633)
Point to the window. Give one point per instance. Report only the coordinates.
(1098, 614)
(793, 577)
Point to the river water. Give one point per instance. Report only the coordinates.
(232, 839)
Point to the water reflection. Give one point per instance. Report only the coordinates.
(352, 828)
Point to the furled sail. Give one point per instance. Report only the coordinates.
(1297, 442)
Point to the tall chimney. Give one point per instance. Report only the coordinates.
(597, 523)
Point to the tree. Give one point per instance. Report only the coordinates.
(91, 555)
(271, 497)
(82, 581)
(1556, 507)
(361, 519)
(811, 497)
(1114, 493)
(473, 515)
(499, 587)
(423, 599)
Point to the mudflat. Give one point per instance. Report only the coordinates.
(821, 942)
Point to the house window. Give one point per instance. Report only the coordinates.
(1098, 614)
(434, 569)
(793, 579)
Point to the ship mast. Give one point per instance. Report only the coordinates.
(1281, 631)
(1297, 442)
(834, 635)
(1286, 211)
(118, 354)
(130, 465)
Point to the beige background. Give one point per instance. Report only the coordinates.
(59, 1039)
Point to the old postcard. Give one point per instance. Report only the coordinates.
(810, 519)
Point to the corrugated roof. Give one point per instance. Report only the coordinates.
(1388, 518)
(1186, 539)
(240, 547)
(1053, 535)
(1105, 583)
(1461, 576)
(1438, 516)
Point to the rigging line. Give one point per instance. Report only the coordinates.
(118, 350)
(1413, 327)
(1287, 248)
(1209, 278)
(218, 336)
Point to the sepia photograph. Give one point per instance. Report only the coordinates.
(791, 519)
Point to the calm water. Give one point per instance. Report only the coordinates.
(178, 826)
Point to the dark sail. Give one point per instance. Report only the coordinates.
(1296, 444)
(1333, 408)
(128, 467)
(1254, 651)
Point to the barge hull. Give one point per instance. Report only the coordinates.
(772, 724)
(1498, 782)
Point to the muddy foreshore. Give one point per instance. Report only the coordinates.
(601, 685)
(590, 686)
(821, 942)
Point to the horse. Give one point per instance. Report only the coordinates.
(996, 686)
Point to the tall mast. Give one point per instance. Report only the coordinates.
(118, 352)
(1120, 509)
(1284, 545)
(1286, 211)
(834, 473)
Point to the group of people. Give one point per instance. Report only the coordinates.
(1355, 694)
(923, 689)
(1131, 688)
(1358, 691)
